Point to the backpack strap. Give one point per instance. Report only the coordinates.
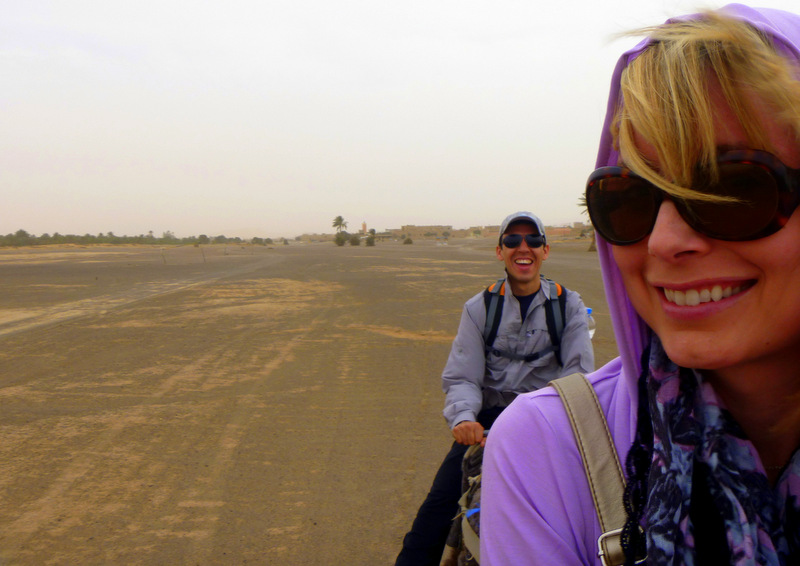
(555, 317)
(472, 541)
(600, 462)
(471, 537)
(493, 300)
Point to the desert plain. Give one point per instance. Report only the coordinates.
(225, 405)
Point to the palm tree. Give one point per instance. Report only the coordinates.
(339, 224)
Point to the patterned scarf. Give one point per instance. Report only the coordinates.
(695, 437)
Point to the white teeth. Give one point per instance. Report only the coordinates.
(694, 297)
(524, 261)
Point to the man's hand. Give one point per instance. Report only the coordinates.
(468, 433)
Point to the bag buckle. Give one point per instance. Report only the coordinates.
(609, 549)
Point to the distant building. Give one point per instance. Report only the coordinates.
(557, 232)
(429, 232)
(483, 231)
(446, 231)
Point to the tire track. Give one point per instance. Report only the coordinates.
(37, 318)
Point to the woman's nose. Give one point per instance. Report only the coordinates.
(672, 237)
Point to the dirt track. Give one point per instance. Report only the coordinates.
(231, 405)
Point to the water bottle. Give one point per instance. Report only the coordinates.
(590, 320)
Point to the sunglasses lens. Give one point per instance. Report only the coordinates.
(755, 190)
(512, 240)
(534, 240)
(622, 208)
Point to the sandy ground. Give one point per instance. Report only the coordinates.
(230, 405)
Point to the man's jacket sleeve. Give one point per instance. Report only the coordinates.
(463, 374)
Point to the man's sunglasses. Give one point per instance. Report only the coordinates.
(515, 240)
(764, 193)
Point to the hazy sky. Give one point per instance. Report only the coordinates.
(269, 118)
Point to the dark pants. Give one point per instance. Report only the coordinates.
(424, 543)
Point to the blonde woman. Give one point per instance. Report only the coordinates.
(694, 203)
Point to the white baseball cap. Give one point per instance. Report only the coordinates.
(522, 216)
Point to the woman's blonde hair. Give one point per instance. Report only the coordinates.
(665, 97)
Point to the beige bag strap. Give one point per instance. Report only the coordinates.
(600, 462)
(469, 537)
(472, 541)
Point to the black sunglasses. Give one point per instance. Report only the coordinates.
(515, 240)
(764, 193)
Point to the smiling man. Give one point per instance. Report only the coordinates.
(502, 349)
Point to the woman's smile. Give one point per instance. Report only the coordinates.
(693, 297)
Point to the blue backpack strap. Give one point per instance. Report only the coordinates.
(555, 317)
(524, 357)
(493, 300)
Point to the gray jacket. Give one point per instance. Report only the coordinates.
(473, 381)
